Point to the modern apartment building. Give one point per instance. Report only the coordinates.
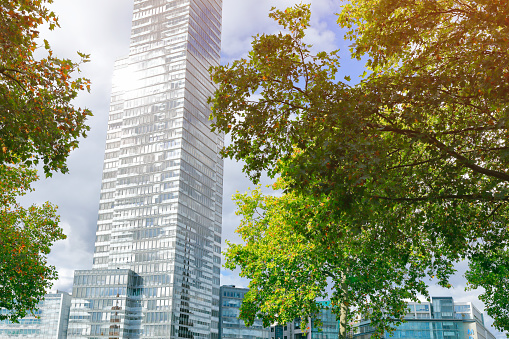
(442, 318)
(230, 326)
(329, 328)
(48, 322)
(157, 251)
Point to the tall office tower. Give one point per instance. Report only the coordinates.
(157, 252)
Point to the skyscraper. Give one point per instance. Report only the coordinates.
(157, 252)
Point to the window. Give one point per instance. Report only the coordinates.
(422, 308)
(462, 308)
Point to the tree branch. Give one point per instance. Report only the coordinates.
(413, 164)
(448, 150)
(473, 129)
(476, 197)
(4, 70)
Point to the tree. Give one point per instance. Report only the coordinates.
(490, 270)
(38, 123)
(37, 118)
(296, 248)
(25, 240)
(419, 144)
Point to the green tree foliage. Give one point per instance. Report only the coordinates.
(26, 236)
(38, 124)
(37, 119)
(490, 270)
(417, 149)
(297, 250)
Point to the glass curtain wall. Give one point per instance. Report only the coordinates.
(161, 194)
(48, 322)
(441, 319)
(230, 326)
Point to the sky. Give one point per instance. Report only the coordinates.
(102, 28)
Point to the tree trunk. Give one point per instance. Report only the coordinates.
(342, 322)
(344, 309)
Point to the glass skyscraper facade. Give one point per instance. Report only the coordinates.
(157, 252)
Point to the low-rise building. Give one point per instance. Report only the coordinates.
(230, 326)
(329, 328)
(107, 303)
(442, 318)
(50, 321)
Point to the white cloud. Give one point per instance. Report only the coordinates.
(321, 39)
(244, 19)
(105, 35)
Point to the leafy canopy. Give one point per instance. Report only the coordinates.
(38, 123)
(490, 270)
(417, 147)
(26, 236)
(37, 119)
(297, 249)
